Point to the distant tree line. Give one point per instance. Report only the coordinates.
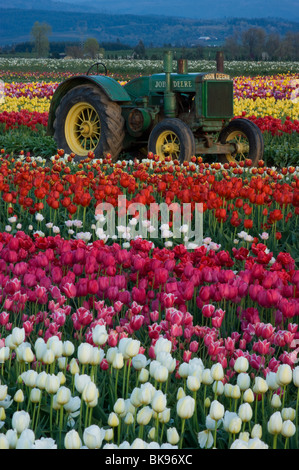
(255, 44)
(252, 44)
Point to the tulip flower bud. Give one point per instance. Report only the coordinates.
(235, 425)
(119, 406)
(132, 348)
(18, 336)
(62, 378)
(218, 387)
(193, 383)
(151, 434)
(99, 335)
(118, 361)
(241, 364)
(73, 405)
(84, 353)
(144, 415)
(68, 348)
(161, 374)
(159, 401)
(205, 439)
(96, 357)
(172, 436)
(135, 397)
(217, 372)
(4, 443)
(206, 377)
(163, 344)
(275, 423)
(271, 379)
(180, 393)
(72, 440)
(109, 434)
(35, 395)
(19, 396)
(74, 367)
(243, 380)
(63, 395)
(143, 375)
(184, 370)
(56, 346)
(244, 436)
(288, 413)
(164, 417)
(139, 361)
(185, 407)
(284, 374)
(28, 355)
(260, 385)
(207, 403)
(276, 401)
(288, 428)
(48, 357)
(110, 355)
(4, 354)
(52, 383)
(245, 412)
(93, 436)
(129, 418)
(228, 390)
(248, 396)
(41, 380)
(26, 439)
(296, 376)
(90, 392)
(20, 421)
(3, 392)
(62, 362)
(113, 420)
(257, 431)
(12, 437)
(236, 392)
(55, 404)
(216, 410)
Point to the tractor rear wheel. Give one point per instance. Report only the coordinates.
(248, 139)
(172, 137)
(86, 121)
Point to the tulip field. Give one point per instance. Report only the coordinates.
(136, 341)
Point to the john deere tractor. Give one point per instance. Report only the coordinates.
(175, 115)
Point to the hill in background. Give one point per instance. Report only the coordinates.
(16, 24)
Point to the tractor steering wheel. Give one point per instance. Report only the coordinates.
(97, 65)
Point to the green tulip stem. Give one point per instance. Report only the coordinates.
(182, 433)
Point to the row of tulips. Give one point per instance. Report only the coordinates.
(234, 198)
(281, 87)
(95, 395)
(30, 119)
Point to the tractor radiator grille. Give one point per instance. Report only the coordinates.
(219, 99)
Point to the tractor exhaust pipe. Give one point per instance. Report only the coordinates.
(169, 96)
(182, 66)
(220, 61)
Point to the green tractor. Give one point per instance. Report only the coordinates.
(174, 115)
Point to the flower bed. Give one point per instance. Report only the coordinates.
(129, 342)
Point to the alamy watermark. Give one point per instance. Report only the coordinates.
(156, 221)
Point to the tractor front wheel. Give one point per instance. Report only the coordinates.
(172, 138)
(248, 140)
(86, 121)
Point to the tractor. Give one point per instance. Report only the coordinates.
(173, 115)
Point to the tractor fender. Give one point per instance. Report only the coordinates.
(108, 85)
